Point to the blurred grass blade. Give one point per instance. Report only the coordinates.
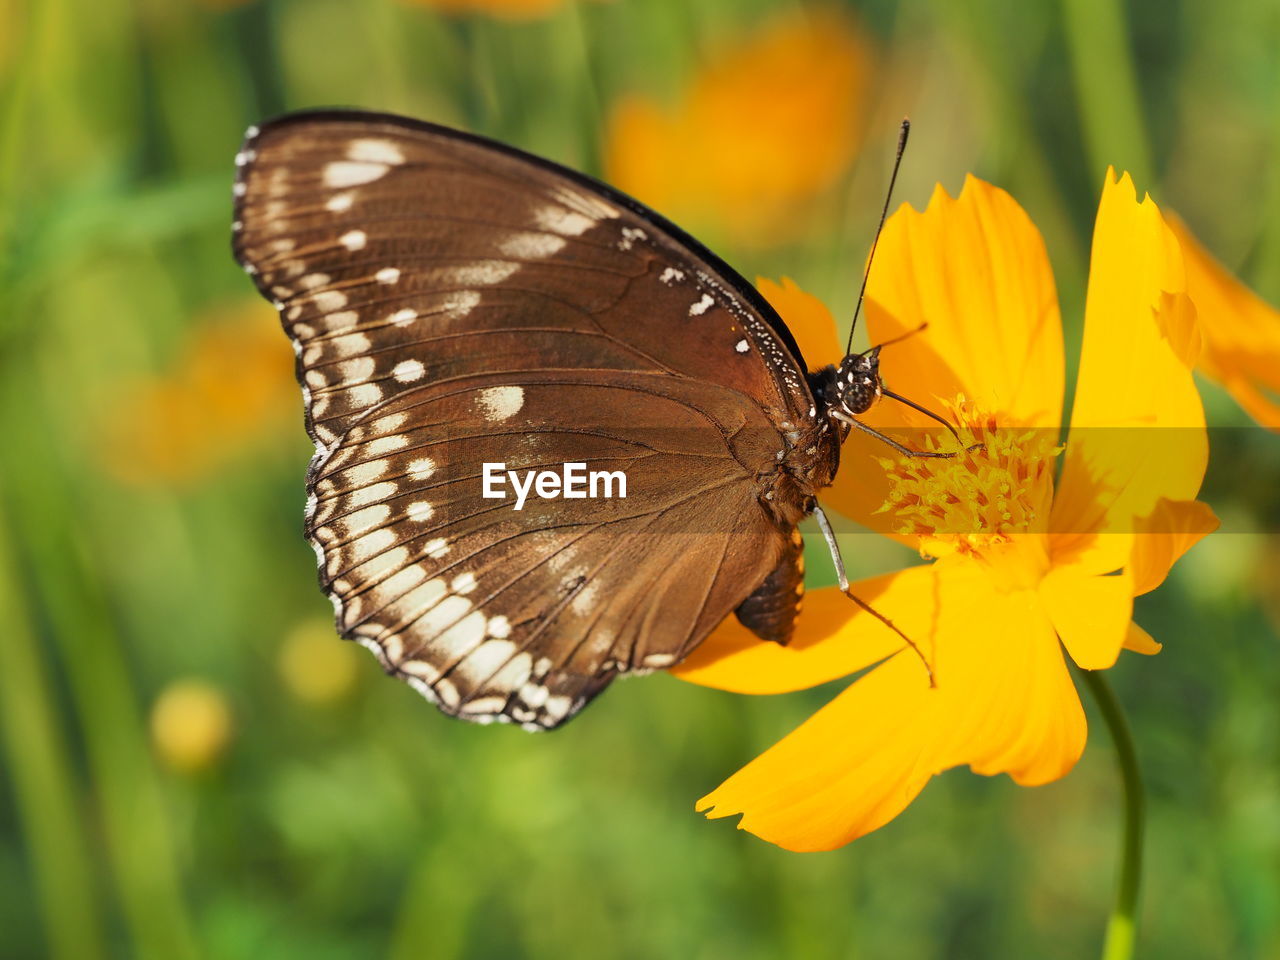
(44, 786)
(1107, 89)
(140, 846)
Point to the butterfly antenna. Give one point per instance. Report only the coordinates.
(884, 215)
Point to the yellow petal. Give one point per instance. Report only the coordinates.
(808, 319)
(1091, 614)
(1091, 554)
(1241, 331)
(1137, 427)
(1139, 641)
(833, 639)
(975, 269)
(1171, 529)
(1004, 702)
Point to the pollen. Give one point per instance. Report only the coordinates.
(999, 484)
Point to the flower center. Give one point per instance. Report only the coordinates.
(998, 484)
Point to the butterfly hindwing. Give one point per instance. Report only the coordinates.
(454, 303)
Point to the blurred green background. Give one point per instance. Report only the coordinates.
(192, 766)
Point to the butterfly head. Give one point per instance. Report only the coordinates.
(857, 383)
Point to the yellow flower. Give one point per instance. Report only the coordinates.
(190, 725)
(1023, 564)
(1241, 331)
(231, 388)
(762, 130)
(315, 665)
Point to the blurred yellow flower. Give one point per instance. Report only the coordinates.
(232, 388)
(315, 665)
(1241, 331)
(1024, 564)
(503, 9)
(190, 725)
(761, 131)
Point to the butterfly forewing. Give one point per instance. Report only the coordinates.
(453, 304)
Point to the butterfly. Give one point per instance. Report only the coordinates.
(467, 318)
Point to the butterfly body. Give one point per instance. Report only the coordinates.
(455, 303)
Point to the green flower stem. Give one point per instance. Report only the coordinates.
(1122, 926)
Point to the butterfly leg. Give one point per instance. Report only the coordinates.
(904, 450)
(885, 391)
(834, 546)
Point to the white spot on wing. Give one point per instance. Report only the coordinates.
(379, 491)
(500, 403)
(340, 202)
(407, 371)
(629, 236)
(742, 346)
(422, 468)
(387, 275)
(373, 543)
(447, 693)
(484, 271)
(362, 473)
(329, 300)
(350, 173)
(366, 519)
(460, 304)
(702, 306)
(354, 239)
(420, 599)
(357, 370)
(399, 583)
(343, 320)
(446, 614)
(350, 344)
(486, 659)
(386, 444)
(531, 246)
(563, 221)
(534, 695)
(364, 395)
(557, 708)
(375, 151)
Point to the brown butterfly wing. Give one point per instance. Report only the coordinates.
(454, 303)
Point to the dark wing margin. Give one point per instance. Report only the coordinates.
(455, 303)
